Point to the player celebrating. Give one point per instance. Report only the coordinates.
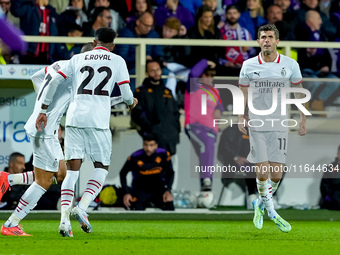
(48, 158)
(265, 73)
(94, 75)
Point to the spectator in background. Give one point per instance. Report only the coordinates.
(142, 28)
(59, 5)
(288, 13)
(170, 9)
(327, 27)
(16, 165)
(153, 176)
(315, 63)
(198, 127)
(37, 18)
(218, 12)
(5, 5)
(252, 18)
(275, 17)
(157, 111)
(204, 29)
(101, 17)
(68, 50)
(137, 8)
(117, 22)
(330, 185)
(74, 14)
(191, 5)
(234, 56)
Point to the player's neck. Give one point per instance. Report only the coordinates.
(269, 58)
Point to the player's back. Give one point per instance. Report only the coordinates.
(58, 105)
(94, 75)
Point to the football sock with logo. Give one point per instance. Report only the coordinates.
(94, 186)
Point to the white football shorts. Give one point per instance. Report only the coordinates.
(47, 153)
(268, 146)
(93, 142)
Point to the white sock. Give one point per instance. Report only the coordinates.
(26, 178)
(26, 204)
(274, 185)
(67, 192)
(94, 186)
(265, 190)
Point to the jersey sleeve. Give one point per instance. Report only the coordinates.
(122, 74)
(244, 79)
(67, 71)
(38, 78)
(296, 77)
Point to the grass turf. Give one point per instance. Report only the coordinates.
(175, 237)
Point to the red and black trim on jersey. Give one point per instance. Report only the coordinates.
(241, 85)
(101, 48)
(45, 69)
(296, 83)
(277, 60)
(123, 82)
(62, 75)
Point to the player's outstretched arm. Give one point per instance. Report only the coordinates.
(303, 126)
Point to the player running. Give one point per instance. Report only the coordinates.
(94, 75)
(265, 74)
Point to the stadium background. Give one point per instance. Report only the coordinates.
(318, 147)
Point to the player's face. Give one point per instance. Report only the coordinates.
(154, 71)
(149, 147)
(169, 32)
(267, 41)
(18, 165)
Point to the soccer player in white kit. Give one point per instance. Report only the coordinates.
(94, 75)
(265, 73)
(48, 158)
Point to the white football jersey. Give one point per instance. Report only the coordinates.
(94, 75)
(264, 77)
(58, 105)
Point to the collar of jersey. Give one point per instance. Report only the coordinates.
(277, 60)
(101, 48)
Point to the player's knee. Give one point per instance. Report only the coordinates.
(275, 179)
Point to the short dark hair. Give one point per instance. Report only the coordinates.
(74, 27)
(149, 137)
(232, 6)
(105, 35)
(98, 11)
(268, 27)
(209, 71)
(14, 155)
(151, 61)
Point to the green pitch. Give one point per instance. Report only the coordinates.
(175, 237)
